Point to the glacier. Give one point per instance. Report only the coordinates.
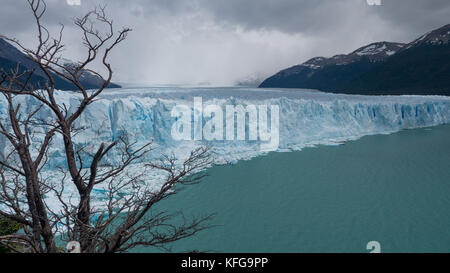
(307, 118)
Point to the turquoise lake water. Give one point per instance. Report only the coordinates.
(394, 189)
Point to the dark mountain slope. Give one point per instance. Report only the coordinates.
(421, 70)
(421, 67)
(10, 56)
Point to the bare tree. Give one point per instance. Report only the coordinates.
(127, 217)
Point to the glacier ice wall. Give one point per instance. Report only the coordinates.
(306, 118)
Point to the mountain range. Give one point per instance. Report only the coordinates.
(10, 56)
(421, 67)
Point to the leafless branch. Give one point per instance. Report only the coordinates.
(127, 217)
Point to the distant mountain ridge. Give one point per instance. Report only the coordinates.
(383, 68)
(374, 52)
(10, 56)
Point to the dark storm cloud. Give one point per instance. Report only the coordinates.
(15, 15)
(416, 16)
(290, 16)
(306, 16)
(315, 16)
(221, 41)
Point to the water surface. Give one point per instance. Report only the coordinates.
(394, 189)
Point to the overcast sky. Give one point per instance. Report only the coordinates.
(223, 41)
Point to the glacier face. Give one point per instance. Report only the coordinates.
(306, 117)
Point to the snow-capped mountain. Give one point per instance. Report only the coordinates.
(439, 36)
(379, 51)
(420, 67)
(89, 79)
(10, 56)
(374, 52)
